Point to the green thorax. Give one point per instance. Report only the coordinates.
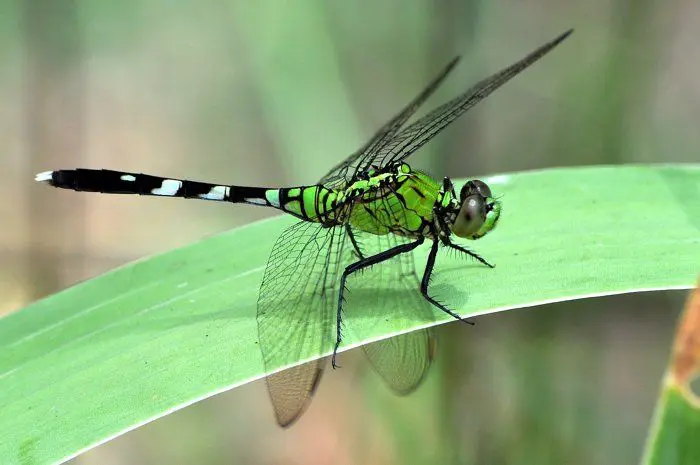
(399, 202)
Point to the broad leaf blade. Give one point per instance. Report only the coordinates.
(132, 345)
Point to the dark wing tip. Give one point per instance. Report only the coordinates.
(453, 62)
(543, 50)
(562, 37)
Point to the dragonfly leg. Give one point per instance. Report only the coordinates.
(358, 265)
(355, 245)
(426, 281)
(452, 245)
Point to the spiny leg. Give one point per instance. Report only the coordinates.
(364, 263)
(355, 245)
(448, 242)
(426, 281)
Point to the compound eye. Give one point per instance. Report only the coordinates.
(482, 188)
(471, 216)
(475, 186)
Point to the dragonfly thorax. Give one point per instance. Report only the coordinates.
(396, 200)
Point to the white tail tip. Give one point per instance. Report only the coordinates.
(44, 176)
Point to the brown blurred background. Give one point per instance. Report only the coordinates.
(274, 93)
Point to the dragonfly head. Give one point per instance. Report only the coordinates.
(479, 211)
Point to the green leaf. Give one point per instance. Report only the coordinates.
(675, 440)
(117, 351)
(674, 435)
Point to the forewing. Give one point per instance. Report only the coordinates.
(402, 361)
(361, 160)
(417, 134)
(291, 390)
(296, 312)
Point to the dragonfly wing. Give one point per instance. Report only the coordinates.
(417, 134)
(402, 361)
(296, 312)
(291, 390)
(361, 160)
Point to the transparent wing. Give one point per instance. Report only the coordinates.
(417, 134)
(291, 390)
(360, 161)
(296, 312)
(402, 361)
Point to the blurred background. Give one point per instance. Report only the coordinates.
(275, 93)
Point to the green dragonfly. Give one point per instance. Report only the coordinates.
(371, 209)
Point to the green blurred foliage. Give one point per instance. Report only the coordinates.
(271, 93)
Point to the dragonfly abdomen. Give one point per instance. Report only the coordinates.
(311, 203)
(121, 182)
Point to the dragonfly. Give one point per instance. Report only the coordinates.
(368, 212)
